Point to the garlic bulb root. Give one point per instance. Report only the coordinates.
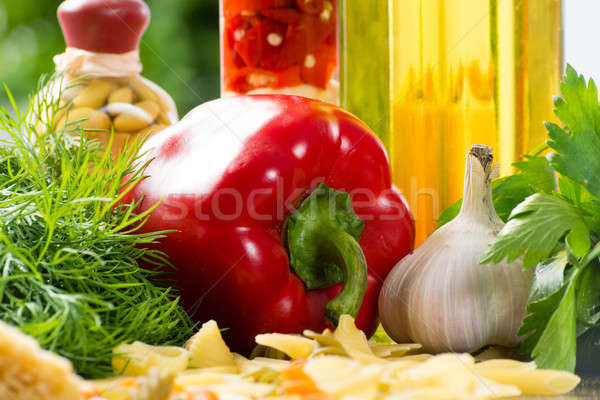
(440, 296)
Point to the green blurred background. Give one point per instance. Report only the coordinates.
(180, 50)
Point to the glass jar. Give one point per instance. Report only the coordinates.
(280, 46)
(102, 90)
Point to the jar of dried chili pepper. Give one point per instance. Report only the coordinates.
(280, 46)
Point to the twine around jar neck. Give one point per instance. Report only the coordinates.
(79, 62)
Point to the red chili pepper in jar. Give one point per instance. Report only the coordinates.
(275, 39)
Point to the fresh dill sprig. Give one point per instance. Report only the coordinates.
(70, 253)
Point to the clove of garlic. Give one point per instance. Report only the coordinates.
(440, 296)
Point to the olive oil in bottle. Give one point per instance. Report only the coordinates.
(465, 72)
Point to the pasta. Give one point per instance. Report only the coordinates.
(536, 381)
(293, 346)
(505, 364)
(324, 339)
(139, 358)
(344, 365)
(393, 350)
(354, 341)
(155, 385)
(323, 366)
(207, 348)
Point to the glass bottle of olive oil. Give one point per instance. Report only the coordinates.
(465, 72)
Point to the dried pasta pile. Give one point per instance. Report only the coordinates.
(328, 365)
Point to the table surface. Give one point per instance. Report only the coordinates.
(589, 388)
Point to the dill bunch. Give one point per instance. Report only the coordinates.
(69, 250)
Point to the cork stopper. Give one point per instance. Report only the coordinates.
(103, 26)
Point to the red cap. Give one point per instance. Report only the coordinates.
(103, 26)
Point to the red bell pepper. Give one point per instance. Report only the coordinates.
(284, 212)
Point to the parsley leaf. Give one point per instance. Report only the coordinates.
(554, 309)
(535, 322)
(556, 347)
(449, 213)
(588, 298)
(579, 140)
(552, 315)
(546, 292)
(536, 176)
(534, 229)
(578, 195)
(549, 276)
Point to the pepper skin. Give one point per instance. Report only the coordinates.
(230, 173)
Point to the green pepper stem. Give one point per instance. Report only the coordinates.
(322, 239)
(349, 258)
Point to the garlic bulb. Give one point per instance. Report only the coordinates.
(440, 296)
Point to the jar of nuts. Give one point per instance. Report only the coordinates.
(103, 92)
